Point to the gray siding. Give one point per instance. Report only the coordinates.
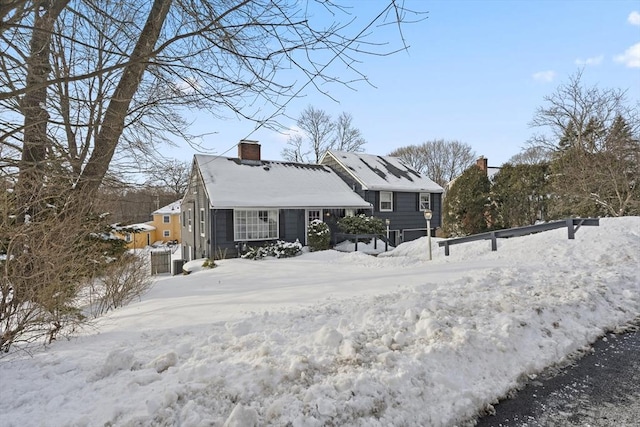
(406, 215)
(292, 225)
(194, 234)
(222, 243)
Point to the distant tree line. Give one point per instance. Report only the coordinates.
(165, 182)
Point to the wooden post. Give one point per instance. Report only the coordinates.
(570, 230)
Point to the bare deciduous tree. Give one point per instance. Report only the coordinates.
(86, 86)
(319, 133)
(95, 80)
(318, 130)
(569, 115)
(348, 137)
(296, 149)
(595, 138)
(531, 156)
(438, 159)
(170, 175)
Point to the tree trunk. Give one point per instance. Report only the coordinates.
(33, 107)
(114, 119)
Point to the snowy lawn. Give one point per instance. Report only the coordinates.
(334, 339)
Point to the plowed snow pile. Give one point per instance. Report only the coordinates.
(334, 338)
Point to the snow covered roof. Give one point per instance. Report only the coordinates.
(492, 171)
(232, 183)
(382, 173)
(171, 208)
(135, 227)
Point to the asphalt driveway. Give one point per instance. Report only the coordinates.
(601, 389)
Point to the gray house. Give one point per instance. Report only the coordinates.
(235, 202)
(396, 191)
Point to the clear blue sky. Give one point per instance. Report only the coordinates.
(475, 72)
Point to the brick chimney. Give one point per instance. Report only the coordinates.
(482, 163)
(249, 150)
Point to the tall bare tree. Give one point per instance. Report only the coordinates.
(93, 81)
(438, 159)
(319, 133)
(170, 176)
(348, 137)
(318, 136)
(86, 86)
(594, 135)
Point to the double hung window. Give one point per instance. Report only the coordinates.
(425, 201)
(202, 230)
(386, 201)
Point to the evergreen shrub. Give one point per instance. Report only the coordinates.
(361, 224)
(318, 236)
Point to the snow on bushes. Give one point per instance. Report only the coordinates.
(361, 224)
(278, 249)
(318, 236)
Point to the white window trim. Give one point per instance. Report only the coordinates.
(390, 193)
(166, 219)
(422, 209)
(166, 233)
(256, 230)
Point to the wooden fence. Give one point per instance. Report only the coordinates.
(572, 224)
(160, 262)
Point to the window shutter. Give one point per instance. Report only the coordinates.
(228, 216)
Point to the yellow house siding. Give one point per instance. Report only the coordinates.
(155, 230)
(173, 227)
(138, 240)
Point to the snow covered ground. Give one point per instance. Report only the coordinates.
(333, 338)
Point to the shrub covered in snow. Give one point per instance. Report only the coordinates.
(278, 249)
(361, 224)
(318, 235)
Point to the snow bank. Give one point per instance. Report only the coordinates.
(330, 338)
